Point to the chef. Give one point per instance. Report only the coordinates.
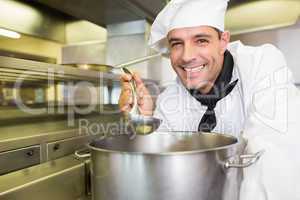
(226, 88)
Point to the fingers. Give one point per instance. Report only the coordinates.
(141, 89)
(125, 99)
(138, 80)
(125, 77)
(144, 100)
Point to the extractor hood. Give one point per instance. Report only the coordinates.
(251, 16)
(243, 15)
(103, 12)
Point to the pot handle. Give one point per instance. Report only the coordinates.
(251, 159)
(82, 153)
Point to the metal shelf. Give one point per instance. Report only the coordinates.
(13, 69)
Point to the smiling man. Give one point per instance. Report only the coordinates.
(200, 58)
(197, 55)
(226, 88)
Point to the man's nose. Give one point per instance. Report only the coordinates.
(189, 54)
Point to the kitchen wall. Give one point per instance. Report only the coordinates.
(287, 39)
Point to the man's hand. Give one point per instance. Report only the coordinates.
(145, 102)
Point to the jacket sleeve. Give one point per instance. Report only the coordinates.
(272, 125)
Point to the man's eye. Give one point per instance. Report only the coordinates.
(201, 41)
(175, 44)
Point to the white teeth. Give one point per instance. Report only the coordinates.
(195, 69)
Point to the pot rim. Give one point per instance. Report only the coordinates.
(237, 141)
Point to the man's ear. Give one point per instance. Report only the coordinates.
(225, 39)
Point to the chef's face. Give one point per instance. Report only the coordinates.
(197, 55)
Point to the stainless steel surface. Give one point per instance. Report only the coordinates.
(42, 132)
(126, 28)
(108, 11)
(27, 56)
(165, 143)
(88, 177)
(250, 160)
(95, 67)
(19, 159)
(19, 136)
(65, 147)
(82, 153)
(84, 53)
(165, 165)
(141, 125)
(32, 19)
(61, 179)
(45, 71)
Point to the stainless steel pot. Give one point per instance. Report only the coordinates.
(168, 166)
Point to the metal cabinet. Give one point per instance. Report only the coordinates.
(20, 158)
(65, 147)
(60, 179)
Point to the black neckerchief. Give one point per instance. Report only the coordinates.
(222, 87)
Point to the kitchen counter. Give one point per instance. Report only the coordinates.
(27, 134)
(63, 179)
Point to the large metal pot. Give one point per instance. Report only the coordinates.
(168, 166)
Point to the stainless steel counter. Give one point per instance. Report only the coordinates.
(27, 134)
(27, 144)
(61, 179)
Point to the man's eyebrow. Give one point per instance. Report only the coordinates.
(174, 40)
(202, 35)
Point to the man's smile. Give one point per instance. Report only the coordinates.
(195, 69)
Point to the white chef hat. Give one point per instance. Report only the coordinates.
(186, 13)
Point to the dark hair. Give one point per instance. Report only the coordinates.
(219, 32)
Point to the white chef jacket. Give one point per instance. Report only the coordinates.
(262, 107)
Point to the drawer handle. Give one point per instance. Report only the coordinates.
(56, 147)
(30, 153)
